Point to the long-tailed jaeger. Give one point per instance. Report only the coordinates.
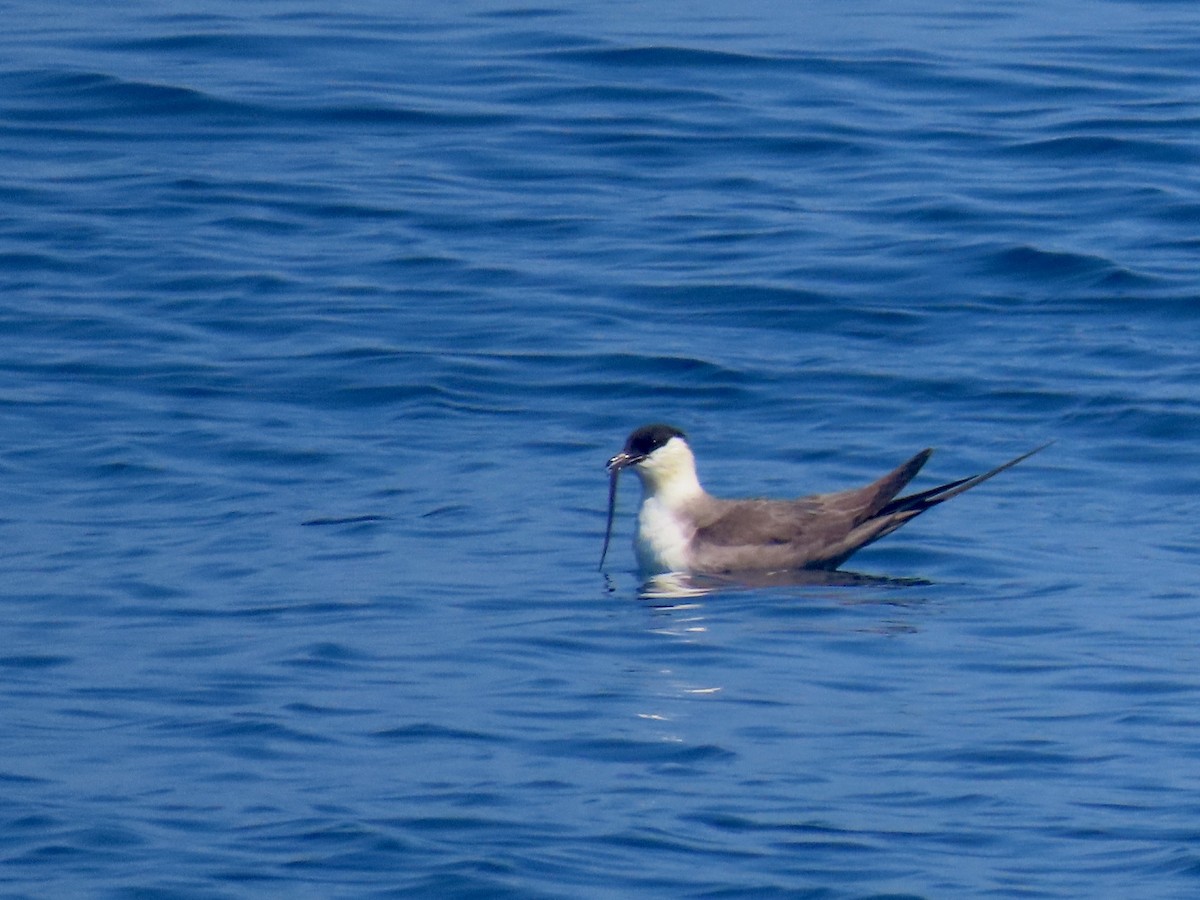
(682, 528)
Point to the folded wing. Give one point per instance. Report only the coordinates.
(821, 531)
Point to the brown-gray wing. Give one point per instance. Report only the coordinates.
(817, 519)
(737, 523)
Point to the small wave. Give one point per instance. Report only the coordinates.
(670, 57)
(1078, 149)
(1027, 260)
(55, 96)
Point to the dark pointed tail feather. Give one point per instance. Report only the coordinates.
(882, 491)
(917, 503)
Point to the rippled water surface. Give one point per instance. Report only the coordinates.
(317, 326)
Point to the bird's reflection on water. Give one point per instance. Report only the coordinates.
(682, 599)
(680, 586)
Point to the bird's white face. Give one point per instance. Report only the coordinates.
(669, 472)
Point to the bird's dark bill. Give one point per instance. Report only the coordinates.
(614, 473)
(621, 460)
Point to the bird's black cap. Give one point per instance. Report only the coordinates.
(648, 438)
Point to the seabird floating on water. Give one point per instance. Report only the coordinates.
(682, 528)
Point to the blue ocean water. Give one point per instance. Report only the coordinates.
(317, 327)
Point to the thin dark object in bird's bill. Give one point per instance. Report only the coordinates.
(612, 505)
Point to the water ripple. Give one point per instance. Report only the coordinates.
(319, 328)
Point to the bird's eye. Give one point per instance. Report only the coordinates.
(649, 438)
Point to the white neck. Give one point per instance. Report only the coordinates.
(669, 474)
(669, 484)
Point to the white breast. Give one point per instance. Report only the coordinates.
(662, 539)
